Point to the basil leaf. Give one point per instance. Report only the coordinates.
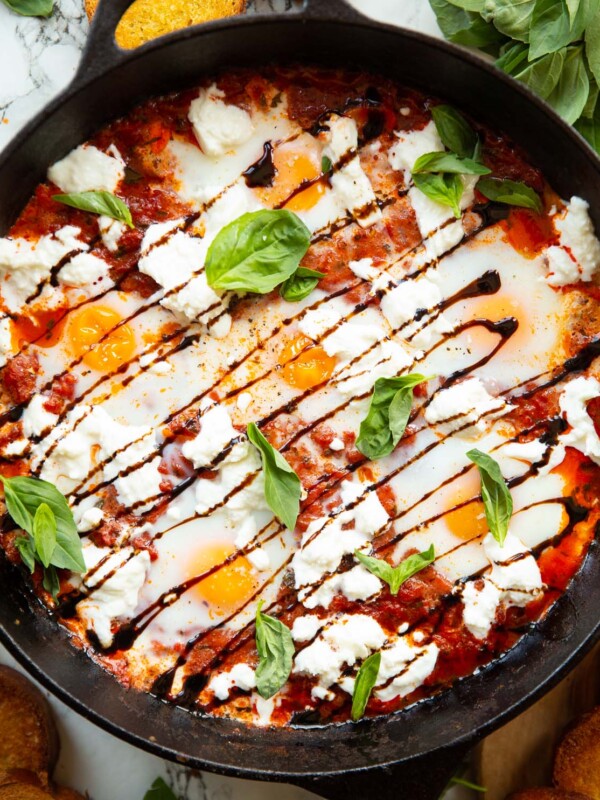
(300, 284)
(44, 533)
(160, 791)
(25, 546)
(572, 90)
(257, 251)
(51, 583)
(592, 46)
(464, 27)
(543, 74)
(454, 130)
(497, 500)
(396, 576)
(513, 193)
(590, 106)
(275, 648)
(24, 496)
(389, 410)
(31, 8)
(444, 189)
(513, 58)
(326, 165)
(448, 163)
(98, 203)
(590, 129)
(510, 17)
(282, 485)
(363, 686)
(573, 8)
(552, 28)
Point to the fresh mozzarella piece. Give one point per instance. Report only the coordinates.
(411, 145)
(25, 264)
(573, 404)
(219, 127)
(386, 360)
(306, 628)
(400, 305)
(349, 639)
(158, 231)
(84, 269)
(36, 419)
(352, 339)
(194, 300)
(216, 433)
(349, 180)
(88, 169)
(241, 676)
(364, 269)
(89, 519)
(141, 484)
(356, 584)
(116, 599)
(481, 600)
(173, 263)
(431, 216)
(464, 402)
(578, 256)
(111, 231)
(6, 344)
(318, 321)
(444, 240)
(404, 667)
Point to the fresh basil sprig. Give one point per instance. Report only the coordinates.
(454, 131)
(396, 576)
(257, 251)
(300, 284)
(160, 791)
(275, 648)
(513, 193)
(449, 163)
(31, 8)
(282, 486)
(326, 165)
(446, 189)
(42, 512)
(103, 203)
(385, 423)
(497, 499)
(363, 686)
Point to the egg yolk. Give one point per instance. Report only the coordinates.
(229, 587)
(309, 367)
(292, 169)
(496, 308)
(467, 521)
(89, 326)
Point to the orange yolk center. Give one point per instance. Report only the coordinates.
(467, 521)
(309, 367)
(229, 587)
(91, 325)
(293, 169)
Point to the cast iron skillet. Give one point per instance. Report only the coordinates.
(410, 754)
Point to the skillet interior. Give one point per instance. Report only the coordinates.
(477, 704)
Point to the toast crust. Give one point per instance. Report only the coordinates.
(23, 791)
(149, 19)
(29, 738)
(577, 759)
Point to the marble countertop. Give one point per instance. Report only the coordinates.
(37, 59)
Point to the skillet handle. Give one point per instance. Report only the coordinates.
(102, 53)
(423, 778)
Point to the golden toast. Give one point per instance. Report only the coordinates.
(149, 19)
(577, 759)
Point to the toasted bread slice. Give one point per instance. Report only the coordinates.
(547, 794)
(577, 759)
(29, 739)
(23, 791)
(149, 19)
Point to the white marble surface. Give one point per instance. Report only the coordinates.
(37, 59)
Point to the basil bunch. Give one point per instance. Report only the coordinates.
(497, 500)
(396, 576)
(31, 8)
(160, 791)
(259, 251)
(42, 512)
(276, 650)
(104, 203)
(552, 46)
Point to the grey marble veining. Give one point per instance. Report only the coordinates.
(37, 59)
